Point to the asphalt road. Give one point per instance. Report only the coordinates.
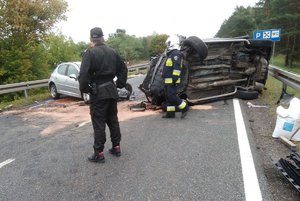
(197, 158)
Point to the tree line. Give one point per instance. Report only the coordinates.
(268, 14)
(30, 51)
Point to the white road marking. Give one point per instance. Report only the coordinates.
(8, 161)
(251, 184)
(82, 124)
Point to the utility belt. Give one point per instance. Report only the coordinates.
(94, 86)
(104, 84)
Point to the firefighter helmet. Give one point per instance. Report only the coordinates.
(173, 42)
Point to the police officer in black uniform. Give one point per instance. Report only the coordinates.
(100, 65)
(171, 75)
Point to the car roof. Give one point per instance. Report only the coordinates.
(77, 63)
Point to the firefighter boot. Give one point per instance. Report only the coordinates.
(184, 111)
(97, 157)
(115, 150)
(170, 115)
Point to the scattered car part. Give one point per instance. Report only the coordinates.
(138, 107)
(290, 169)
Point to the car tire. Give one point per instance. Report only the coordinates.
(85, 97)
(53, 91)
(246, 95)
(198, 45)
(128, 87)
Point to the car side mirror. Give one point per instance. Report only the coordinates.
(73, 76)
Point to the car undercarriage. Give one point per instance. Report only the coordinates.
(214, 69)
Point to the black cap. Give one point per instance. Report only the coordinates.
(96, 32)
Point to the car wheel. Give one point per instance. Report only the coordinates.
(198, 45)
(128, 87)
(53, 91)
(86, 98)
(246, 95)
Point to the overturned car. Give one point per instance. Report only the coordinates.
(213, 70)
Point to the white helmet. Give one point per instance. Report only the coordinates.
(173, 42)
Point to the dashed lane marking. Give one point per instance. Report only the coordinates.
(251, 184)
(8, 161)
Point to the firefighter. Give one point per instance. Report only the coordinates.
(100, 65)
(171, 75)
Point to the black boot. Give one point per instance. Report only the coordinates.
(184, 111)
(97, 157)
(116, 151)
(170, 115)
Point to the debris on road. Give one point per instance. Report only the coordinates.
(290, 168)
(250, 105)
(138, 107)
(142, 106)
(82, 124)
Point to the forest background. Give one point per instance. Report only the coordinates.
(30, 50)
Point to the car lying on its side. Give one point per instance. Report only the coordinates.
(64, 81)
(214, 69)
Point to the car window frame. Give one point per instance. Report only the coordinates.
(67, 70)
(61, 66)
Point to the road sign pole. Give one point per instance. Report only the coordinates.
(273, 52)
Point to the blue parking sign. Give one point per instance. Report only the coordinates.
(270, 34)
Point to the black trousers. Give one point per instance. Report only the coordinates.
(104, 112)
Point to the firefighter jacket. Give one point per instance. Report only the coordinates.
(100, 64)
(172, 68)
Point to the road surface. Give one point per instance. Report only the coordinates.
(207, 156)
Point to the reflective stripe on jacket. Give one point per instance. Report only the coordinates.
(172, 68)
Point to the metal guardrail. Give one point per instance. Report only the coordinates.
(138, 68)
(24, 86)
(287, 78)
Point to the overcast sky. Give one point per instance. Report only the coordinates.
(145, 17)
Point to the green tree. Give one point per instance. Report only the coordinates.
(282, 14)
(129, 47)
(60, 49)
(24, 25)
(240, 23)
(157, 44)
(285, 15)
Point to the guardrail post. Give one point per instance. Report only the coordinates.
(283, 91)
(25, 92)
(26, 96)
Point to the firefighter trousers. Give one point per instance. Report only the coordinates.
(174, 103)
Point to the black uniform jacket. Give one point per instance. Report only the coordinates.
(100, 64)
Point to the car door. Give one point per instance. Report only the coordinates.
(59, 78)
(72, 85)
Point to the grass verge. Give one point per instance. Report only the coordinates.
(273, 90)
(33, 96)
